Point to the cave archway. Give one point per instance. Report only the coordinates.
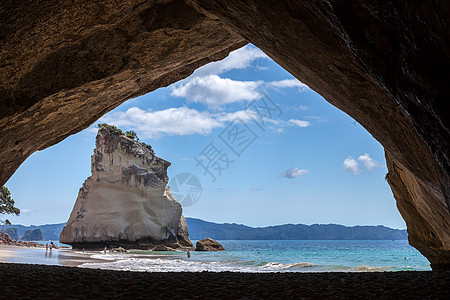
(64, 66)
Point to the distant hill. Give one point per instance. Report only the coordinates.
(33, 235)
(199, 229)
(49, 232)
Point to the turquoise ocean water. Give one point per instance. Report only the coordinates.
(275, 256)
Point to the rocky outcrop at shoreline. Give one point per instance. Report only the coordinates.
(208, 245)
(126, 202)
(5, 239)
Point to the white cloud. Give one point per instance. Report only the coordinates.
(368, 162)
(172, 121)
(277, 130)
(317, 119)
(205, 86)
(238, 59)
(294, 172)
(351, 165)
(299, 123)
(185, 121)
(256, 188)
(289, 83)
(214, 91)
(244, 115)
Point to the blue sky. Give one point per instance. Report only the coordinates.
(284, 154)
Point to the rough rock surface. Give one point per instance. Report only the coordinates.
(4, 237)
(63, 65)
(162, 248)
(385, 63)
(120, 250)
(126, 202)
(208, 245)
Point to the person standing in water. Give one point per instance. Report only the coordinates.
(104, 250)
(188, 253)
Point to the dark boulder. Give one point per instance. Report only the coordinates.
(208, 245)
(163, 248)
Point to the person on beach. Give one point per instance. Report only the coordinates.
(46, 247)
(51, 245)
(83, 250)
(188, 253)
(104, 250)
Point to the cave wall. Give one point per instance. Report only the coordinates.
(385, 63)
(65, 64)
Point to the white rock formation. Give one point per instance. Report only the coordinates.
(126, 202)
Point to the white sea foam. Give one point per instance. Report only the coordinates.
(364, 268)
(164, 265)
(146, 263)
(105, 256)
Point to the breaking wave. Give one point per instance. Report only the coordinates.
(178, 263)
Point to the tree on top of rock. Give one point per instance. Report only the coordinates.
(129, 134)
(132, 135)
(113, 129)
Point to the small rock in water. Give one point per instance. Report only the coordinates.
(120, 249)
(208, 245)
(162, 248)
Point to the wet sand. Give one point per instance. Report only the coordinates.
(60, 277)
(59, 257)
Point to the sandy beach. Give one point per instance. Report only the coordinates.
(58, 257)
(59, 277)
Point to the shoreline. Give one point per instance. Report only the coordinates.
(62, 276)
(175, 261)
(31, 280)
(40, 256)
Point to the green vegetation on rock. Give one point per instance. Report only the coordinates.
(147, 146)
(132, 135)
(129, 134)
(112, 129)
(7, 204)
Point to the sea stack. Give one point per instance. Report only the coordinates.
(126, 201)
